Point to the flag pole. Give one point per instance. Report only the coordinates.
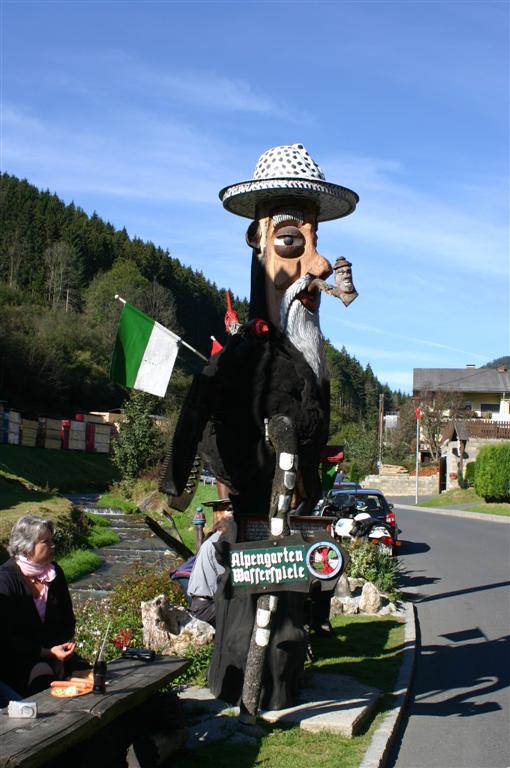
(181, 341)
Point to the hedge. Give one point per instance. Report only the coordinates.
(492, 473)
(469, 473)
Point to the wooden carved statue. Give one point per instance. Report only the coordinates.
(258, 413)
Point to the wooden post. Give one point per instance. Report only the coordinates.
(281, 434)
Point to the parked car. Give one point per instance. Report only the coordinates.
(346, 485)
(374, 501)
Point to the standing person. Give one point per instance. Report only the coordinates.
(36, 613)
(340, 476)
(203, 581)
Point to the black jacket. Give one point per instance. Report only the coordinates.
(23, 634)
(250, 380)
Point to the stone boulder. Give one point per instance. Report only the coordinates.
(371, 600)
(343, 588)
(169, 629)
(347, 605)
(355, 585)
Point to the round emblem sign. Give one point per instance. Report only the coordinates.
(324, 560)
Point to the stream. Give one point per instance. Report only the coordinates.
(137, 545)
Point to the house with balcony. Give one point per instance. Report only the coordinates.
(484, 392)
(484, 395)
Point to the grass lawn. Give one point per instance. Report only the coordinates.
(493, 509)
(183, 519)
(31, 480)
(17, 500)
(453, 497)
(65, 471)
(364, 647)
(457, 496)
(78, 564)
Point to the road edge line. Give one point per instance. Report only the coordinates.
(385, 734)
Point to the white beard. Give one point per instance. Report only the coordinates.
(302, 327)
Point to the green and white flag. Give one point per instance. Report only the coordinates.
(144, 354)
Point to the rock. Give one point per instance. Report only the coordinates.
(342, 588)
(355, 584)
(393, 609)
(348, 605)
(169, 629)
(145, 504)
(337, 606)
(371, 600)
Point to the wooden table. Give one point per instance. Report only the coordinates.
(62, 723)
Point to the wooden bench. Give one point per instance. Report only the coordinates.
(63, 723)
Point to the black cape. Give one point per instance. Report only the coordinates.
(253, 378)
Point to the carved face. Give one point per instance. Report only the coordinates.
(287, 241)
(345, 278)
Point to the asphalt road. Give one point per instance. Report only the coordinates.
(459, 573)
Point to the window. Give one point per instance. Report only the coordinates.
(489, 407)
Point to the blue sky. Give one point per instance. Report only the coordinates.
(143, 111)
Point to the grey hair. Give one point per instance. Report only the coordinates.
(25, 534)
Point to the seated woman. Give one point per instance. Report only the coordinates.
(36, 613)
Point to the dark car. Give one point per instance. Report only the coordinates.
(346, 485)
(375, 502)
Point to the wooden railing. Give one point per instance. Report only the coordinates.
(491, 430)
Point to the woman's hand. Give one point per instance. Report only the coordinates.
(63, 651)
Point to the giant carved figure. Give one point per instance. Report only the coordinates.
(266, 395)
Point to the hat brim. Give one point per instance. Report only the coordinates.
(334, 201)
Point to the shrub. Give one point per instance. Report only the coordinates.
(122, 606)
(368, 562)
(492, 473)
(469, 474)
(139, 443)
(71, 532)
(355, 473)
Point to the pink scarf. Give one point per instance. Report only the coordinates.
(44, 574)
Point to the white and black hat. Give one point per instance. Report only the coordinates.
(289, 171)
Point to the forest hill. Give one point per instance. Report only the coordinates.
(59, 269)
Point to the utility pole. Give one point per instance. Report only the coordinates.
(381, 429)
(418, 419)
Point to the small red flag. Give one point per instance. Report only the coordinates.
(215, 347)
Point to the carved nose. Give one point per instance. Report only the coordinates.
(320, 267)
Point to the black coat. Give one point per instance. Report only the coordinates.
(251, 380)
(23, 634)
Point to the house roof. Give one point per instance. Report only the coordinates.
(461, 380)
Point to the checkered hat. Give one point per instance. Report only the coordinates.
(289, 171)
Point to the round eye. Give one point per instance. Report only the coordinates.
(289, 243)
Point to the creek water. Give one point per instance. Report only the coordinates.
(137, 545)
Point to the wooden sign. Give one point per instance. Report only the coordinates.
(286, 564)
(256, 527)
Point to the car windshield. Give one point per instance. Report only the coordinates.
(372, 502)
(344, 501)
